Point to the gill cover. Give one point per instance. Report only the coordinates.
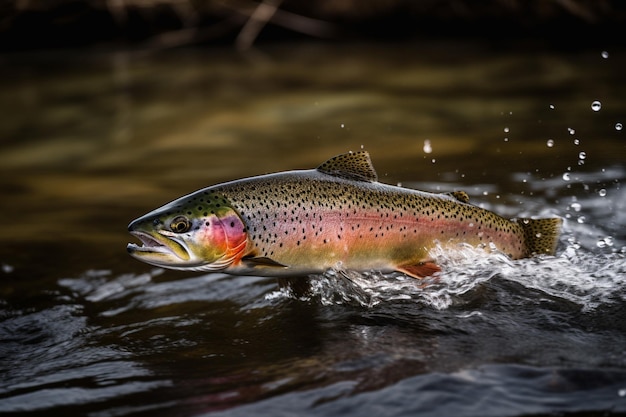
(224, 241)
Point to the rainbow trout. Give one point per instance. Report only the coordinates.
(335, 216)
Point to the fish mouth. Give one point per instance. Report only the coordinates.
(157, 249)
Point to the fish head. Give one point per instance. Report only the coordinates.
(198, 232)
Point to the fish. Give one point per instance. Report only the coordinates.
(336, 216)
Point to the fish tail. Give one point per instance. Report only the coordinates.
(541, 235)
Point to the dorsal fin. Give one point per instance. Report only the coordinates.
(352, 165)
(460, 195)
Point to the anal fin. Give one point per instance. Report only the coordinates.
(420, 270)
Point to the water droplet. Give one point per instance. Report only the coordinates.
(506, 139)
(602, 192)
(604, 242)
(538, 235)
(427, 147)
(342, 125)
(618, 126)
(576, 142)
(571, 131)
(596, 106)
(605, 54)
(506, 130)
(550, 143)
(576, 206)
(581, 219)
(551, 106)
(433, 160)
(582, 155)
(566, 176)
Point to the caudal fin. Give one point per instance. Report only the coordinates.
(541, 235)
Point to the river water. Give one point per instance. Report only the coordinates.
(91, 140)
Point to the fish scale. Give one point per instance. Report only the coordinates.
(338, 215)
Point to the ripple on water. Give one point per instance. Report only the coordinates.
(54, 363)
(492, 390)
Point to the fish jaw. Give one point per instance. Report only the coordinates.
(160, 249)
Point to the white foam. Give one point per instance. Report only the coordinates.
(578, 276)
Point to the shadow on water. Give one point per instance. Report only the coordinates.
(95, 140)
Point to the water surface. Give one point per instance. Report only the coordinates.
(91, 140)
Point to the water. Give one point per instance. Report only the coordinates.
(92, 140)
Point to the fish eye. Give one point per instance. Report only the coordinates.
(180, 224)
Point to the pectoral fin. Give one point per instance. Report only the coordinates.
(261, 261)
(420, 270)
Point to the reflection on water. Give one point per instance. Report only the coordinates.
(92, 141)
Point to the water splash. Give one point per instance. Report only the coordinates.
(463, 272)
(575, 275)
(588, 280)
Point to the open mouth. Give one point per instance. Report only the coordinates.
(149, 244)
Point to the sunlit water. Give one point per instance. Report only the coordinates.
(85, 330)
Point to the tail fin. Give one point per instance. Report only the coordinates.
(541, 235)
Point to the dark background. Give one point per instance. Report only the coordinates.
(43, 24)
